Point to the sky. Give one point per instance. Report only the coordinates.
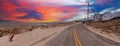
(53, 10)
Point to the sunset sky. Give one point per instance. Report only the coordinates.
(52, 10)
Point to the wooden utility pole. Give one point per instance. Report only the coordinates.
(88, 10)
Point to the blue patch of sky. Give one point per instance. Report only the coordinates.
(99, 7)
(32, 14)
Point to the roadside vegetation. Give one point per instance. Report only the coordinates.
(110, 26)
(6, 29)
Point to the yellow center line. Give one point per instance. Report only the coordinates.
(77, 41)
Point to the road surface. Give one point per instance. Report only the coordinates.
(77, 35)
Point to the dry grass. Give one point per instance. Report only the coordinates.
(6, 29)
(111, 26)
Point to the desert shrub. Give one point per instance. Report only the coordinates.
(111, 26)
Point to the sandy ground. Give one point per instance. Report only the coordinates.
(110, 36)
(38, 37)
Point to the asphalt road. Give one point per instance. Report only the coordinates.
(77, 35)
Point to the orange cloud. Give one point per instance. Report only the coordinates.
(49, 13)
(15, 15)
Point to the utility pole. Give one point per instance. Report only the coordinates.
(88, 10)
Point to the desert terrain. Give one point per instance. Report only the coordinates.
(109, 29)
